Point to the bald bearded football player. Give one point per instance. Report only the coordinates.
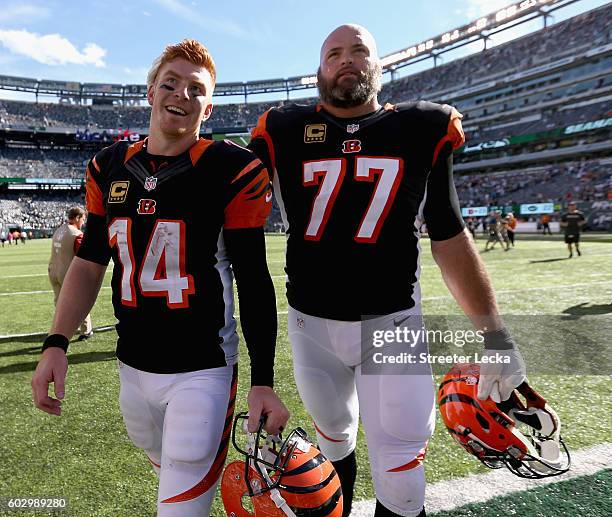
(355, 181)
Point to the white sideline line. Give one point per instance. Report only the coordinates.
(493, 265)
(427, 298)
(108, 271)
(282, 313)
(477, 488)
(21, 276)
(32, 334)
(36, 292)
(506, 291)
(103, 328)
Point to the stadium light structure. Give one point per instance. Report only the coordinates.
(479, 29)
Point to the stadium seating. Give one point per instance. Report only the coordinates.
(581, 32)
(501, 113)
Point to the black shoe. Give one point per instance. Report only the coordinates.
(570, 255)
(83, 337)
(579, 254)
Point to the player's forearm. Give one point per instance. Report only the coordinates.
(467, 279)
(77, 296)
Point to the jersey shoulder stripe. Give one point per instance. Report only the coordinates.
(441, 121)
(285, 116)
(96, 173)
(251, 205)
(247, 184)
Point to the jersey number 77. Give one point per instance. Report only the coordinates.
(329, 175)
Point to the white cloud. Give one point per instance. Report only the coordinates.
(193, 15)
(51, 49)
(20, 12)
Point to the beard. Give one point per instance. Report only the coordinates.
(355, 94)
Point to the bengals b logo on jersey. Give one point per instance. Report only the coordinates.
(351, 146)
(146, 206)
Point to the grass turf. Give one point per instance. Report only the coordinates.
(85, 455)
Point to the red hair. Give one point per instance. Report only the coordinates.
(190, 50)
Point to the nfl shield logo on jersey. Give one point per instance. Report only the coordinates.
(150, 183)
(352, 128)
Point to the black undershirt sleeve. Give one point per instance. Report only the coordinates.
(247, 253)
(94, 246)
(441, 211)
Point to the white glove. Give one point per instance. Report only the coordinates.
(498, 380)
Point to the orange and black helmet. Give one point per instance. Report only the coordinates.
(282, 478)
(493, 432)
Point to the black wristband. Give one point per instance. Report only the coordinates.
(499, 340)
(56, 340)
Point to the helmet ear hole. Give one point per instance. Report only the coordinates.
(483, 422)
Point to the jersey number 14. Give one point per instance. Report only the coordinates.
(162, 272)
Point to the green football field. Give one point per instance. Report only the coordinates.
(86, 457)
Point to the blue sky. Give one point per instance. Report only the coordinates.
(106, 41)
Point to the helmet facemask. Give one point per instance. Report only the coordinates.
(524, 437)
(280, 478)
(267, 454)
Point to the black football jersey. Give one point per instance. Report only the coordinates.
(573, 220)
(161, 219)
(354, 193)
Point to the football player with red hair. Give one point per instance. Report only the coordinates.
(180, 216)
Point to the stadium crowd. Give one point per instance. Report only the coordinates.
(585, 31)
(47, 211)
(32, 162)
(584, 181)
(578, 181)
(37, 211)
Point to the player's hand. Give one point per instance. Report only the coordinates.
(51, 368)
(498, 380)
(263, 401)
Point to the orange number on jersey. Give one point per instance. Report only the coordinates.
(163, 270)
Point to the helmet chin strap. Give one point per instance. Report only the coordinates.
(268, 456)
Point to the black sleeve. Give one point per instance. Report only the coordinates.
(441, 211)
(95, 246)
(260, 147)
(247, 252)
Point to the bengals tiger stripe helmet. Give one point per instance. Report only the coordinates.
(281, 478)
(492, 431)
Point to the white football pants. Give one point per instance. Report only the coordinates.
(182, 422)
(397, 407)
